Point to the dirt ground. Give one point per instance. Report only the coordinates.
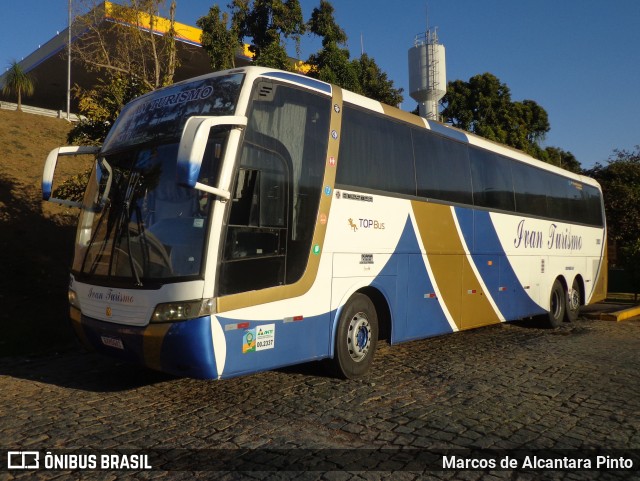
(36, 238)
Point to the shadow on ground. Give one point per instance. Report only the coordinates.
(35, 255)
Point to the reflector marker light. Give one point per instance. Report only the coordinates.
(294, 319)
(430, 295)
(471, 291)
(233, 327)
(502, 289)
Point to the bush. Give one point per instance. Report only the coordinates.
(73, 188)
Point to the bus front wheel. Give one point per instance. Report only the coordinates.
(356, 338)
(557, 305)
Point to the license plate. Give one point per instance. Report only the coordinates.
(112, 342)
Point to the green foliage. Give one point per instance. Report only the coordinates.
(17, 82)
(101, 106)
(267, 23)
(630, 257)
(323, 24)
(73, 188)
(483, 106)
(560, 158)
(374, 82)
(333, 64)
(620, 181)
(218, 40)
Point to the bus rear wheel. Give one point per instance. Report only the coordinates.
(357, 337)
(557, 305)
(573, 302)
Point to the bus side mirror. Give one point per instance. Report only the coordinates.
(192, 146)
(50, 167)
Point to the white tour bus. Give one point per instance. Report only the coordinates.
(253, 218)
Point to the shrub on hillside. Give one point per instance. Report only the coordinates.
(73, 188)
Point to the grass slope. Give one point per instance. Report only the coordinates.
(36, 239)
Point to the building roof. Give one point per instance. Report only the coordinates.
(48, 64)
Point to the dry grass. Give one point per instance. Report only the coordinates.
(36, 239)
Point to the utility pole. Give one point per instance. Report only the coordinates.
(69, 64)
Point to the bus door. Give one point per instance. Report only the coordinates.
(254, 255)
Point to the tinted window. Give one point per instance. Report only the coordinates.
(592, 205)
(530, 186)
(442, 168)
(491, 178)
(375, 153)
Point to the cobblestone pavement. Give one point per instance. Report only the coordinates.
(504, 387)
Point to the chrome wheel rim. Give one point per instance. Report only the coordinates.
(574, 299)
(359, 337)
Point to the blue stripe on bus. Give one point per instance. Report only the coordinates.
(405, 282)
(294, 343)
(494, 265)
(186, 348)
(46, 190)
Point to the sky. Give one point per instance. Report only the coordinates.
(578, 59)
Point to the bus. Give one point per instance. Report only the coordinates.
(251, 219)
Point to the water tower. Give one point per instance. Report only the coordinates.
(427, 73)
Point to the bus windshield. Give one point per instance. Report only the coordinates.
(138, 227)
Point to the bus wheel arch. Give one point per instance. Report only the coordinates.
(357, 330)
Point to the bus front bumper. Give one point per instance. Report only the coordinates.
(182, 348)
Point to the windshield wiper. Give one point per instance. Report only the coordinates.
(131, 188)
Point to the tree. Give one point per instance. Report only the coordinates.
(218, 40)
(332, 63)
(267, 23)
(483, 106)
(100, 107)
(630, 257)
(563, 159)
(620, 181)
(17, 82)
(130, 46)
(374, 82)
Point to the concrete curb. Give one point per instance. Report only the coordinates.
(622, 315)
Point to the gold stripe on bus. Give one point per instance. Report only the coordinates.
(152, 340)
(302, 286)
(407, 117)
(459, 287)
(601, 283)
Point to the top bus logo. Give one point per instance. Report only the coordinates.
(366, 224)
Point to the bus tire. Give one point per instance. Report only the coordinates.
(557, 305)
(357, 337)
(573, 302)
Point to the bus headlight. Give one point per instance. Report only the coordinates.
(73, 299)
(183, 311)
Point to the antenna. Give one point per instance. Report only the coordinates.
(426, 6)
(361, 44)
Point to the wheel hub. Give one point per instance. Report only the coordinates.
(359, 337)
